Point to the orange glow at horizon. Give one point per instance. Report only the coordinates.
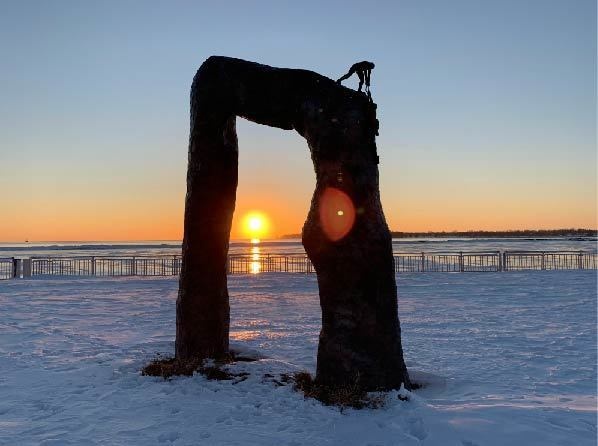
(47, 218)
(123, 223)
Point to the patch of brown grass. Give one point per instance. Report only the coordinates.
(349, 395)
(169, 367)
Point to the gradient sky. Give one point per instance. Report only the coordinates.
(487, 111)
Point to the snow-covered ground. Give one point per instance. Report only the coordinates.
(509, 358)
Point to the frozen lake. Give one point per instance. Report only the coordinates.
(507, 358)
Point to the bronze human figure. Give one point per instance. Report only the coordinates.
(363, 70)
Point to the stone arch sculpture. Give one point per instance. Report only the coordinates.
(345, 235)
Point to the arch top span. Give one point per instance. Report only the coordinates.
(285, 98)
(345, 235)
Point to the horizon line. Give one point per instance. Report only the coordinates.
(298, 235)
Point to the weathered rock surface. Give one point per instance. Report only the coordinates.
(345, 234)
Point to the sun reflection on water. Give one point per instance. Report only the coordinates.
(255, 266)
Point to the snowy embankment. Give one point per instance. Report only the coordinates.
(508, 358)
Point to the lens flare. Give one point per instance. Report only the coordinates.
(337, 213)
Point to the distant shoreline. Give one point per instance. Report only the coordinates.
(486, 234)
(571, 233)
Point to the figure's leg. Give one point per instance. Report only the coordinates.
(346, 76)
(360, 74)
(367, 78)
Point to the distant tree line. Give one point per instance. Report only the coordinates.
(488, 234)
(509, 233)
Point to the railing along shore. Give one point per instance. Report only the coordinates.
(115, 266)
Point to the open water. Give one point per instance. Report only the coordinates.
(293, 246)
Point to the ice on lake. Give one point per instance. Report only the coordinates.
(507, 358)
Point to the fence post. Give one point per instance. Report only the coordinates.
(543, 262)
(505, 266)
(499, 261)
(26, 265)
(16, 268)
(423, 262)
(93, 266)
(133, 267)
(461, 263)
(580, 260)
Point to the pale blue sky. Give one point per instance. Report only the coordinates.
(487, 109)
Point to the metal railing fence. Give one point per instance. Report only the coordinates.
(449, 262)
(549, 260)
(490, 261)
(106, 266)
(7, 266)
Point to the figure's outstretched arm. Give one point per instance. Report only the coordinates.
(346, 76)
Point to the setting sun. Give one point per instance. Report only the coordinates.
(255, 225)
